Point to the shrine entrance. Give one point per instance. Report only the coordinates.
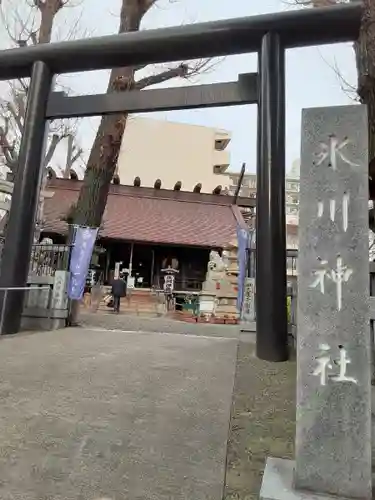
(269, 35)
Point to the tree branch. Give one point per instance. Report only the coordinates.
(184, 70)
(16, 116)
(51, 149)
(146, 5)
(24, 85)
(76, 155)
(7, 149)
(33, 37)
(39, 4)
(147, 81)
(20, 101)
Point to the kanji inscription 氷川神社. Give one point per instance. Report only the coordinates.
(330, 154)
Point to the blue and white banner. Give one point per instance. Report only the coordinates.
(84, 242)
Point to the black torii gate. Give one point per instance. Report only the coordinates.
(269, 35)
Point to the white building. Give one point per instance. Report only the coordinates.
(292, 194)
(292, 183)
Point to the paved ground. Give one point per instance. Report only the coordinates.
(138, 323)
(129, 415)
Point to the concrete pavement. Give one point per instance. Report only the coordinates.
(163, 324)
(89, 414)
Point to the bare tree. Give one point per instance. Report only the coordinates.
(25, 27)
(102, 161)
(365, 59)
(12, 118)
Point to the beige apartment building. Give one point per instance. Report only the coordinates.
(169, 151)
(156, 149)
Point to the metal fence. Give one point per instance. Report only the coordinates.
(187, 284)
(291, 268)
(46, 259)
(291, 262)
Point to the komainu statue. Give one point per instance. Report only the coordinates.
(215, 266)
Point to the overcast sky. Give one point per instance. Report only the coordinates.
(311, 78)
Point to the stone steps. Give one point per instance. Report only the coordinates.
(138, 302)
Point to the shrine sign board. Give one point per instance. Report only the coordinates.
(333, 430)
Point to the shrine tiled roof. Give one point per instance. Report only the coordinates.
(143, 216)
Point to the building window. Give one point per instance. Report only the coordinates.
(219, 144)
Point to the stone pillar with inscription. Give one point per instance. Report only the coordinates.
(248, 306)
(333, 420)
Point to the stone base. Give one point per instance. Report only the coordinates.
(278, 479)
(248, 326)
(37, 324)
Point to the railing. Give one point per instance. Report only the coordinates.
(291, 262)
(190, 285)
(46, 259)
(291, 267)
(292, 294)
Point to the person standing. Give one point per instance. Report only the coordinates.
(118, 291)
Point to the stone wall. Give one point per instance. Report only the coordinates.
(46, 303)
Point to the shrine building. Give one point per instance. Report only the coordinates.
(148, 229)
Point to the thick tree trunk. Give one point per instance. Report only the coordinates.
(99, 172)
(365, 59)
(104, 154)
(46, 25)
(48, 10)
(103, 158)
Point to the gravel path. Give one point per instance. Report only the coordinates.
(262, 423)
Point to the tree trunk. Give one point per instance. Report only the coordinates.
(104, 154)
(48, 11)
(46, 26)
(365, 59)
(99, 172)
